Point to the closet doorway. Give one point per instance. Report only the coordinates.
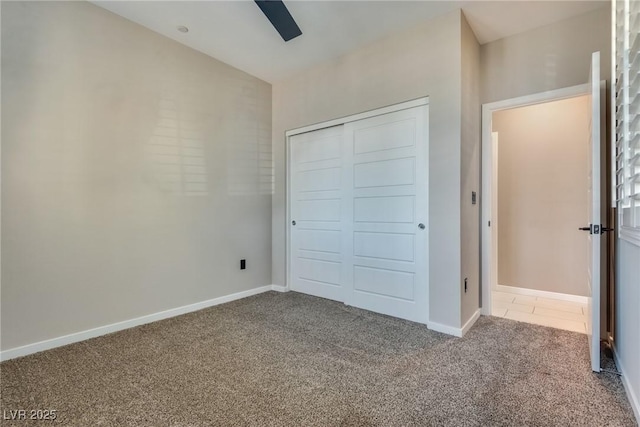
(358, 210)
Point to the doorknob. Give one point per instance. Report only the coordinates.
(421, 226)
(293, 223)
(592, 229)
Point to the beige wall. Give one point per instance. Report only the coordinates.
(470, 173)
(131, 171)
(423, 61)
(542, 196)
(546, 58)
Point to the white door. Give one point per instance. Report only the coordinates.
(595, 225)
(387, 246)
(316, 168)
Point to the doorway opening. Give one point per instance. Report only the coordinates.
(538, 223)
(540, 198)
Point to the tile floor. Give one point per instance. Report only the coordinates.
(567, 315)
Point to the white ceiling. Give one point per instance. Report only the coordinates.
(236, 32)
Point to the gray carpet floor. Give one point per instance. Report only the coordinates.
(295, 360)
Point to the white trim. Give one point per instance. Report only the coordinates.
(25, 350)
(634, 401)
(456, 332)
(364, 115)
(539, 98)
(279, 288)
(445, 329)
(495, 220)
(287, 212)
(485, 200)
(470, 322)
(543, 294)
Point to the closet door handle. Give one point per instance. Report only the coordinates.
(421, 226)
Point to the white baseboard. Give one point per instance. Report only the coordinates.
(631, 395)
(445, 329)
(279, 288)
(456, 332)
(543, 294)
(25, 350)
(470, 322)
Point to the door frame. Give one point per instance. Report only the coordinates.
(488, 262)
(418, 102)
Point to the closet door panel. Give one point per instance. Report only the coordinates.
(359, 208)
(388, 221)
(317, 226)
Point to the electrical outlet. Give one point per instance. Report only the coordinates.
(465, 285)
(243, 264)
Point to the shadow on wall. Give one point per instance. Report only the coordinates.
(176, 147)
(250, 164)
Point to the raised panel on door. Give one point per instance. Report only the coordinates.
(384, 209)
(317, 181)
(387, 250)
(386, 245)
(384, 172)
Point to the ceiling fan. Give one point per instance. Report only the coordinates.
(280, 18)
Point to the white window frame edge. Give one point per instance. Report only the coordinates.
(486, 238)
(626, 233)
(612, 118)
(418, 102)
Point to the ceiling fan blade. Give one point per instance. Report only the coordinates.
(280, 18)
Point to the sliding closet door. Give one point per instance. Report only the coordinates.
(316, 212)
(358, 211)
(388, 213)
